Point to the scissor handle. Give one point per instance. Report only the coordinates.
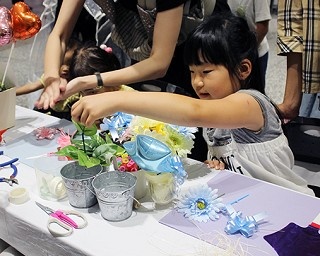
(64, 216)
(67, 229)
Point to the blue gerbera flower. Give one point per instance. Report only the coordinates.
(200, 203)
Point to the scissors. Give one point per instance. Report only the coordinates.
(61, 217)
(12, 180)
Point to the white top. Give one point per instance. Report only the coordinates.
(253, 11)
(264, 155)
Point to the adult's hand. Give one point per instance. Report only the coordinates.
(74, 86)
(51, 93)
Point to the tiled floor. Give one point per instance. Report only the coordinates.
(19, 72)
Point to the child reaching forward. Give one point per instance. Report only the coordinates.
(63, 72)
(62, 109)
(241, 126)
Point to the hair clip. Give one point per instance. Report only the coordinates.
(106, 48)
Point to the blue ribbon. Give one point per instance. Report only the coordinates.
(245, 225)
(179, 173)
(153, 155)
(116, 124)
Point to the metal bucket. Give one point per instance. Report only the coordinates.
(115, 192)
(78, 181)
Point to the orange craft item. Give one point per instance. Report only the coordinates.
(25, 23)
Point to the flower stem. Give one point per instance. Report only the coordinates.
(84, 145)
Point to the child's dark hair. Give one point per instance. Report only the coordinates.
(90, 58)
(73, 43)
(225, 39)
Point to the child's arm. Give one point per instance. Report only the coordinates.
(238, 110)
(28, 88)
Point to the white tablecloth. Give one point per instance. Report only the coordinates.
(24, 226)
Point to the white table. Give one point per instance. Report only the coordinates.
(19, 140)
(24, 226)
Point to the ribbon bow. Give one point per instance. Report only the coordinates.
(245, 225)
(179, 173)
(45, 133)
(153, 155)
(116, 123)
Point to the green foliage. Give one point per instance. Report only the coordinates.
(90, 149)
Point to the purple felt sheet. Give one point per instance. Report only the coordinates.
(281, 205)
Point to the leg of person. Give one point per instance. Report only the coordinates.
(307, 104)
(315, 112)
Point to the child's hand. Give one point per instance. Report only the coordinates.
(91, 108)
(215, 163)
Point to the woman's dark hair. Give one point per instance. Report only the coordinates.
(225, 39)
(90, 58)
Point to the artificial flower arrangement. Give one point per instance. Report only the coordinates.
(133, 143)
(155, 147)
(88, 147)
(125, 129)
(178, 138)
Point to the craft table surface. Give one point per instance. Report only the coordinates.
(24, 226)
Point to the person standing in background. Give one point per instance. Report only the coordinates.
(257, 13)
(299, 40)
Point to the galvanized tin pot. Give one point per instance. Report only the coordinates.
(78, 181)
(115, 192)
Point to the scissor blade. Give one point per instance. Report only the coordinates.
(45, 208)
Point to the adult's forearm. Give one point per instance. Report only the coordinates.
(294, 78)
(262, 29)
(141, 71)
(53, 57)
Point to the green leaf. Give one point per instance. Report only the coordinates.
(99, 140)
(89, 131)
(87, 161)
(69, 151)
(89, 148)
(89, 145)
(108, 139)
(104, 150)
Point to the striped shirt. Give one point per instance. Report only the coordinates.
(299, 31)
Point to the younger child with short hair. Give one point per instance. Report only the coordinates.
(91, 59)
(81, 59)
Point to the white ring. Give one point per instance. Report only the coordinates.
(18, 196)
(4, 200)
(57, 187)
